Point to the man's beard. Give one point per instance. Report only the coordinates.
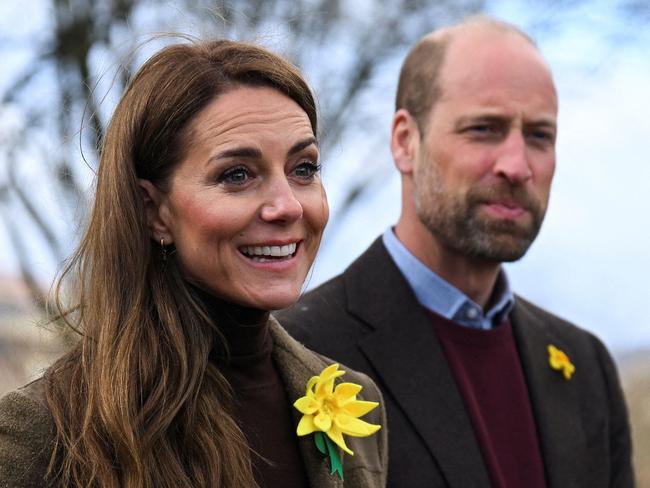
(456, 222)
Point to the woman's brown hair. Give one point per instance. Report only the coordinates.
(136, 402)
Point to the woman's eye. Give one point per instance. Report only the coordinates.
(306, 170)
(234, 176)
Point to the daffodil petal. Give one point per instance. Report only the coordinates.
(329, 371)
(310, 385)
(358, 408)
(355, 427)
(325, 386)
(346, 391)
(323, 422)
(306, 425)
(337, 436)
(306, 405)
(568, 370)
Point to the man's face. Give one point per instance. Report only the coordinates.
(484, 169)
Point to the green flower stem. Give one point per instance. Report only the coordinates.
(328, 448)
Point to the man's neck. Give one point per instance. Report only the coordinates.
(474, 277)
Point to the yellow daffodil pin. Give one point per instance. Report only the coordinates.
(560, 361)
(330, 412)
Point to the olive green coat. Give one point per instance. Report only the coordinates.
(26, 427)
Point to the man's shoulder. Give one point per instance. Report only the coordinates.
(328, 302)
(325, 297)
(320, 315)
(524, 310)
(580, 340)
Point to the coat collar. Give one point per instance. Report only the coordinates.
(367, 468)
(403, 340)
(296, 366)
(554, 400)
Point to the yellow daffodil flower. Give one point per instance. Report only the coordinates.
(334, 411)
(560, 361)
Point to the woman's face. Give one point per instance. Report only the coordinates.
(246, 207)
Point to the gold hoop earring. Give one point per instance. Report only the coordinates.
(162, 249)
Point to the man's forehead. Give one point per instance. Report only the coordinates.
(483, 57)
(470, 46)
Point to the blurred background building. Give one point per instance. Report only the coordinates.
(64, 63)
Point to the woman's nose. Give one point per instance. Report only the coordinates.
(281, 203)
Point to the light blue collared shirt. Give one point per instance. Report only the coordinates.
(440, 297)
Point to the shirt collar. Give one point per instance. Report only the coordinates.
(441, 297)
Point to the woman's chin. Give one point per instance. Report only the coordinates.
(267, 300)
(275, 303)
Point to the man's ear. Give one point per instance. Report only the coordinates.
(404, 141)
(155, 204)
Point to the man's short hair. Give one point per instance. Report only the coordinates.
(419, 82)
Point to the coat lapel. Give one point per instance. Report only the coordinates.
(407, 356)
(296, 367)
(554, 399)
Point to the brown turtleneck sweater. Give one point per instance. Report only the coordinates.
(262, 408)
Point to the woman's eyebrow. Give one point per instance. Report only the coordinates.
(239, 152)
(299, 146)
(254, 153)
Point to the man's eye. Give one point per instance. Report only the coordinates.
(484, 129)
(234, 176)
(306, 170)
(542, 135)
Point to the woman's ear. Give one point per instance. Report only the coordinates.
(404, 141)
(157, 211)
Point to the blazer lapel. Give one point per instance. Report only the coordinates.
(296, 366)
(554, 399)
(407, 356)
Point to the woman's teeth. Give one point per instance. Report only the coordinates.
(266, 253)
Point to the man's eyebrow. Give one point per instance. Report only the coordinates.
(548, 123)
(469, 119)
(299, 146)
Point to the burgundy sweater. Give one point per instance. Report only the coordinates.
(262, 408)
(488, 373)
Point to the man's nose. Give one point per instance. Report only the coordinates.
(512, 159)
(281, 203)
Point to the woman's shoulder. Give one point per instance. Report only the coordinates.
(26, 436)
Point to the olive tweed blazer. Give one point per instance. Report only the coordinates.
(27, 429)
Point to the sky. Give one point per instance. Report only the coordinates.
(590, 262)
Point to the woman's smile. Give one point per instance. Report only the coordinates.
(270, 252)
